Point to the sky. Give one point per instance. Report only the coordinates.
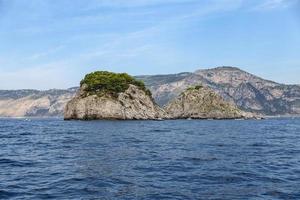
(53, 43)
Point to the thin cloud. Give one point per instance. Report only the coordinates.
(138, 3)
(274, 4)
(46, 53)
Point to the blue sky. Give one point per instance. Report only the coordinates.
(53, 43)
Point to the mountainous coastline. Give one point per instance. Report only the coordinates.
(34, 103)
(249, 92)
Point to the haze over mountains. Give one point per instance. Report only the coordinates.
(247, 91)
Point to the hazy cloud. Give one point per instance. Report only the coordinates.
(37, 78)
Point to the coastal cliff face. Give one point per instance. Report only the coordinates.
(202, 103)
(108, 95)
(133, 104)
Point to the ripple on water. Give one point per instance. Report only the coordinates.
(7, 195)
(14, 163)
(182, 159)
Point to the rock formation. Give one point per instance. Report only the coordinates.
(203, 103)
(132, 104)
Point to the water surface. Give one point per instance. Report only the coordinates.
(56, 159)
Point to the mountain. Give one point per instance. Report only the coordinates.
(34, 103)
(247, 91)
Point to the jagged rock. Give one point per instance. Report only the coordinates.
(133, 104)
(203, 103)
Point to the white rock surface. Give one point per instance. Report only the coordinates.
(133, 104)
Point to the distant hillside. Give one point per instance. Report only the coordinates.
(247, 91)
(34, 103)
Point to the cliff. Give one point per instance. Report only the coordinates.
(203, 103)
(111, 101)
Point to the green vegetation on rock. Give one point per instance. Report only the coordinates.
(197, 87)
(103, 82)
(192, 89)
(200, 102)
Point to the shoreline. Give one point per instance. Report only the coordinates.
(188, 119)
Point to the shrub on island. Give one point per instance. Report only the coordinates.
(197, 87)
(104, 82)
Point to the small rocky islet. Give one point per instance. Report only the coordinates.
(119, 96)
(200, 102)
(107, 95)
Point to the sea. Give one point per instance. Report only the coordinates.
(176, 159)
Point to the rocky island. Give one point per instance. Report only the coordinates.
(107, 95)
(203, 103)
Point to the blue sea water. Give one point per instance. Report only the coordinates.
(183, 159)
